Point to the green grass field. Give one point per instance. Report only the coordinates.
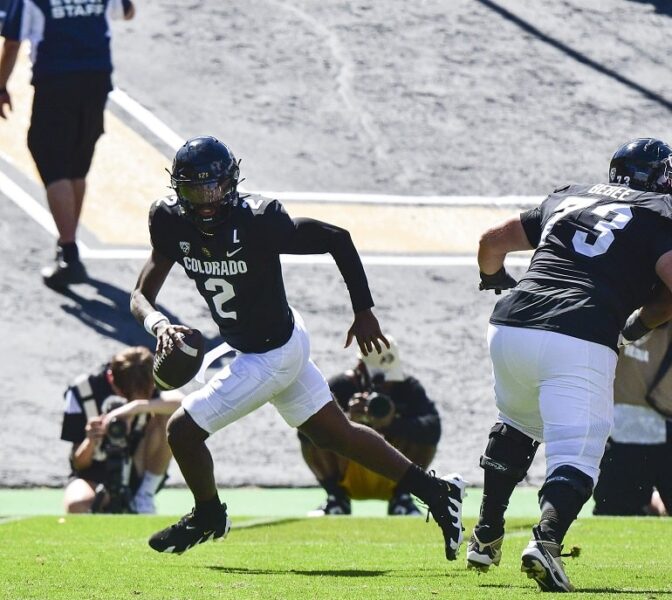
(107, 557)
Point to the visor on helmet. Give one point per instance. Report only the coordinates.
(199, 194)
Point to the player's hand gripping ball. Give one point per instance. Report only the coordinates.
(179, 365)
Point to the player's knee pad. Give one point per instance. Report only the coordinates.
(509, 452)
(572, 477)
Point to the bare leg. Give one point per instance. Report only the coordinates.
(324, 464)
(79, 495)
(330, 429)
(79, 188)
(62, 201)
(157, 454)
(187, 441)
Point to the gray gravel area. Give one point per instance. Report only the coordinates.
(431, 97)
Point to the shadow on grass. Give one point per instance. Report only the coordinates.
(309, 573)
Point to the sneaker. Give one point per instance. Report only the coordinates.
(143, 504)
(335, 505)
(446, 508)
(482, 555)
(188, 532)
(541, 561)
(402, 505)
(62, 274)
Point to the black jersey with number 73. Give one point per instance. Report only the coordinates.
(594, 263)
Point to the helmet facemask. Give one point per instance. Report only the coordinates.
(205, 203)
(662, 177)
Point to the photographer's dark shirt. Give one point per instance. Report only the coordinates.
(416, 418)
(90, 396)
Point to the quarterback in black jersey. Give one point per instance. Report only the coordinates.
(601, 252)
(229, 243)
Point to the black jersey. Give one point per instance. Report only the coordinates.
(416, 418)
(237, 268)
(596, 251)
(91, 396)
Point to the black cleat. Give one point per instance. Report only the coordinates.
(62, 274)
(541, 561)
(335, 505)
(483, 555)
(188, 532)
(402, 505)
(446, 508)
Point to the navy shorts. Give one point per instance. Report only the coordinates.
(66, 122)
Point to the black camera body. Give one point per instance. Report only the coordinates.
(379, 406)
(117, 470)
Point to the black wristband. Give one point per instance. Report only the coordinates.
(495, 278)
(634, 328)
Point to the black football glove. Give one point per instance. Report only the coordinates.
(498, 281)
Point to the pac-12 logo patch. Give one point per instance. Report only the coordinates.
(185, 247)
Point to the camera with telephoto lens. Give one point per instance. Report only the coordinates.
(117, 468)
(379, 406)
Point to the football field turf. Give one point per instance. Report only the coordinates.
(283, 556)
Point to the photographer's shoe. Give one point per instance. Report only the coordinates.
(446, 508)
(143, 504)
(402, 505)
(335, 505)
(189, 531)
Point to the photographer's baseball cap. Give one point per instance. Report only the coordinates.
(387, 363)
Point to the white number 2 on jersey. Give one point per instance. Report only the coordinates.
(215, 284)
(614, 216)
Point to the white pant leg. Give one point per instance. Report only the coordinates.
(576, 403)
(309, 391)
(556, 389)
(246, 383)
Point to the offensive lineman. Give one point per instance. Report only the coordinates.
(601, 252)
(229, 244)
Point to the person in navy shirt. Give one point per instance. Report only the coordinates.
(72, 67)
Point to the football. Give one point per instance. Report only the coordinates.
(179, 366)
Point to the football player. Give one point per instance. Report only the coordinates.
(229, 244)
(601, 251)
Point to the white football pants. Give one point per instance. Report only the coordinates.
(556, 389)
(285, 377)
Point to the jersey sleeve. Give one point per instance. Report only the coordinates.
(420, 422)
(159, 228)
(73, 428)
(343, 388)
(531, 221)
(309, 236)
(15, 24)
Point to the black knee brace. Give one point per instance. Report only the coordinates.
(570, 476)
(509, 452)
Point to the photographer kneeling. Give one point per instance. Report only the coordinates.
(116, 422)
(376, 393)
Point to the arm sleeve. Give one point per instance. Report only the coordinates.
(309, 236)
(531, 221)
(421, 423)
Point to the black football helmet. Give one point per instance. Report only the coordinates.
(205, 177)
(643, 164)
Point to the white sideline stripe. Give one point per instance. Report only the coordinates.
(43, 217)
(174, 141)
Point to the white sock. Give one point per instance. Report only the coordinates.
(150, 483)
